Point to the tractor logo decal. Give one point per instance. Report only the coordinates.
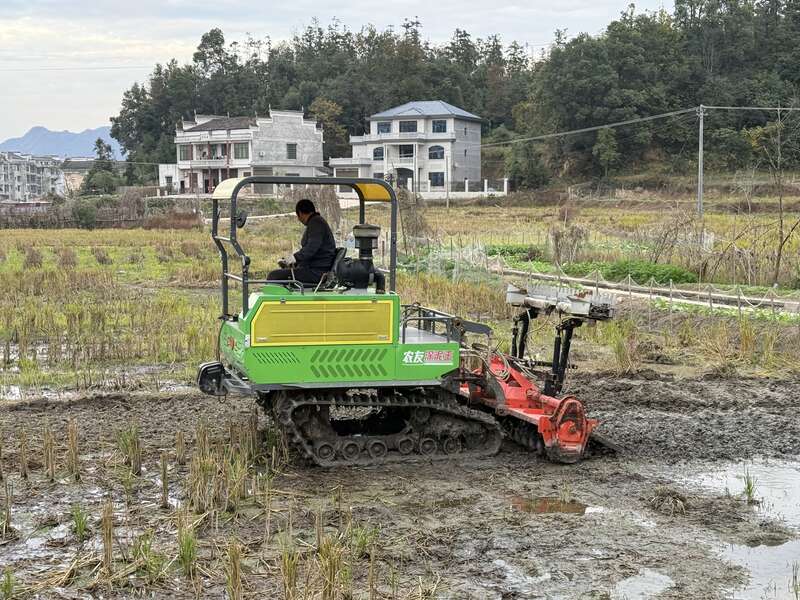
(431, 357)
(231, 343)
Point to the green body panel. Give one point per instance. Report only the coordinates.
(332, 363)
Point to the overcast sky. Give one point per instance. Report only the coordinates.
(66, 63)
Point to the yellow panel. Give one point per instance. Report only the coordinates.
(225, 188)
(373, 192)
(322, 323)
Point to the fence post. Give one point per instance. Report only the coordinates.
(485, 186)
(630, 294)
(466, 185)
(505, 186)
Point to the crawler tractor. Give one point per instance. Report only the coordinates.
(353, 376)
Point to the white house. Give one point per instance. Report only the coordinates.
(430, 145)
(25, 178)
(213, 148)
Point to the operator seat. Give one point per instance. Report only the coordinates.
(329, 280)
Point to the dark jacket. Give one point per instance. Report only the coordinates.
(318, 246)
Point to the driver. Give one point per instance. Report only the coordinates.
(317, 249)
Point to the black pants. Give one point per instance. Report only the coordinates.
(301, 274)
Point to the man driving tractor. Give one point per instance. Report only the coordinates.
(317, 249)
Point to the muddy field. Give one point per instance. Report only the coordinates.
(656, 520)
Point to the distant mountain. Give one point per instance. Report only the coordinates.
(42, 141)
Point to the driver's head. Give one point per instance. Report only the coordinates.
(304, 209)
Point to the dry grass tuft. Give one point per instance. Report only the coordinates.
(233, 570)
(668, 501)
(73, 458)
(180, 448)
(23, 454)
(187, 545)
(164, 481)
(6, 530)
(101, 256)
(130, 448)
(290, 560)
(49, 453)
(107, 526)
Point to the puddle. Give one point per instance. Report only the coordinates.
(546, 504)
(646, 584)
(777, 486)
(772, 574)
(774, 568)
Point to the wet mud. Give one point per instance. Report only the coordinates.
(509, 526)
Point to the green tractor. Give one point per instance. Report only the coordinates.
(353, 376)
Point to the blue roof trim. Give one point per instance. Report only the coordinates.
(426, 108)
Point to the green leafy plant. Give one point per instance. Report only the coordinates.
(187, 546)
(80, 522)
(8, 584)
(750, 483)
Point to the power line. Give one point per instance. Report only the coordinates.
(79, 68)
(548, 136)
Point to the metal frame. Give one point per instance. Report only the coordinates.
(231, 239)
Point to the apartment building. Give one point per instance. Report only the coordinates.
(25, 178)
(430, 145)
(212, 148)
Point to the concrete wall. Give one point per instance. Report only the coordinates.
(282, 128)
(468, 139)
(170, 171)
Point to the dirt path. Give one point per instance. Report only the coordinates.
(510, 526)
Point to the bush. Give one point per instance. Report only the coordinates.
(85, 214)
(640, 271)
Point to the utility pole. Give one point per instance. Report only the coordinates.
(700, 113)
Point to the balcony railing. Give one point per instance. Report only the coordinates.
(420, 136)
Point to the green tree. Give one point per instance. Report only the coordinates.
(525, 166)
(327, 113)
(605, 149)
(101, 178)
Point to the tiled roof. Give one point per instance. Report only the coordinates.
(426, 108)
(224, 124)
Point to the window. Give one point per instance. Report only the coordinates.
(241, 150)
(377, 175)
(291, 151)
(168, 180)
(440, 126)
(408, 126)
(385, 127)
(465, 132)
(406, 151)
(223, 150)
(293, 174)
(436, 153)
(185, 152)
(436, 179)
(377, 153)
(465, 151)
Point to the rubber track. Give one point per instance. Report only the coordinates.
(438, 402)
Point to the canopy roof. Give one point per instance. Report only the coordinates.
(368, 190)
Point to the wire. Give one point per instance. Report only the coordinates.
(108, 68)
(548, 136)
